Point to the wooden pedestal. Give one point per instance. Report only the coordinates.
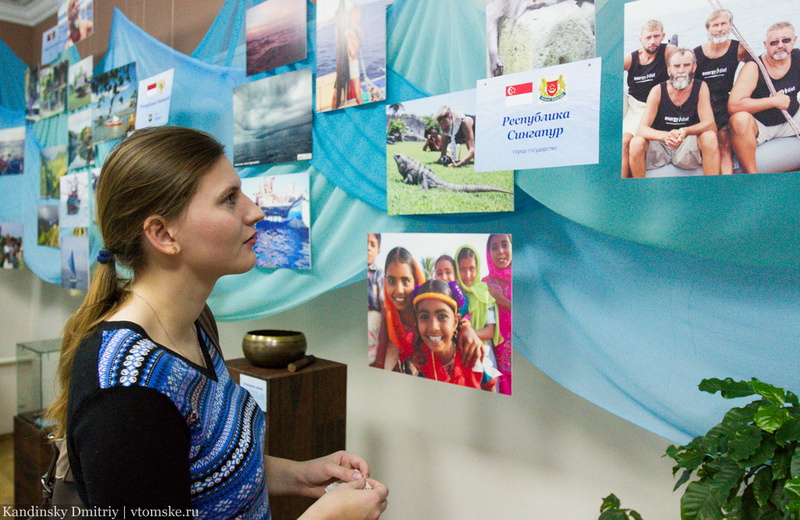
(32, 454)
(306, 416)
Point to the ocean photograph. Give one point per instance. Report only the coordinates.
(114, 103)
(75, 262)
(12, 150)
(283, 235)
(272, 120)
(364, 23)
(276, 34)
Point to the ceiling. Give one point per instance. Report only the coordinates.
(27, 12)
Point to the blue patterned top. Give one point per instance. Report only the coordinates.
(225, 426)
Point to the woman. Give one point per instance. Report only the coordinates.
(151, 416)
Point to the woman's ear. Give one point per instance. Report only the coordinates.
(159, 234)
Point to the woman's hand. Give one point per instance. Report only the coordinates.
(314, 475)
(350, 501)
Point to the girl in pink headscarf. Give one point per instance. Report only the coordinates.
(498, 258)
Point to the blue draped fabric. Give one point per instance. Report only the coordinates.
(626, 292)
(12, 94)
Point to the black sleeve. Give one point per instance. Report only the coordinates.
(131, 448)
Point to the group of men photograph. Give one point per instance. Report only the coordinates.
(689, 107)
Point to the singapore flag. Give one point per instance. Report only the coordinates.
(521, 94)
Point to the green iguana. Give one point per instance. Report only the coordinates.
(414, 172)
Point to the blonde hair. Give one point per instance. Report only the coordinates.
(653, 25)
(716, 13)
(155, 171)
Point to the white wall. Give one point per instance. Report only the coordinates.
(446, 452)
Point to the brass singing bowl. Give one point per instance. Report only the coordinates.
(273, 348)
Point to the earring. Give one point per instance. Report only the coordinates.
(173, 251)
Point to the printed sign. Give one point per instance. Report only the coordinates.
(543, 118)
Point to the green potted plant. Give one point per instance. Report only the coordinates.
(748, 465)
(612, 510)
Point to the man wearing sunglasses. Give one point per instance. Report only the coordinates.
(756, 115)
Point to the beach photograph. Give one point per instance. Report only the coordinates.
(351, 53)
(12, 150)
(73, 210)
(74, 261)
(276, 34)
(80, 148)
(283, 235)
(53, 167)
(430, 166)
(79, 92)
(429, 282)
(53, 89)
(11, 244)
(47, 225)
(272, 120)
(114, 96)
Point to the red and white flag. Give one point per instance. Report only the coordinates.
(521, 94)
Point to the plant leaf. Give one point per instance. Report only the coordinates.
(610, 502)
(728, 388)
(763, 455)
(613, 514)
(792, 490)
(770, 417)
(791, 397)
(635, 515)
(744, 443)
(794, 466)
(773, 394)
(790, 431)
(699, 502)
(681, 481)
(762, 486)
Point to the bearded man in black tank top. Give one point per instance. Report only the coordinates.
(717, 61)
(647, 67)
(756, 115)
(678, 123)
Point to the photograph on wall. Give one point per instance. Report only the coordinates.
(32, 104)
(443, 299)
(114, 103)
(283, 235)
(540, 119)
(47, 225)
(272, 120)
(276, 34)
(80, 84)
(75, 259)
(76, 18)
(73, 209)
(52, 44)
(53, 166)
(523, 35)
(11, 244)
(690, 87)
(155, 94)
(80, 148)
(351, 53)
(12, 150)
(53, 89)
(430, 159)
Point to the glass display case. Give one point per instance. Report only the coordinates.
(37, 363)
